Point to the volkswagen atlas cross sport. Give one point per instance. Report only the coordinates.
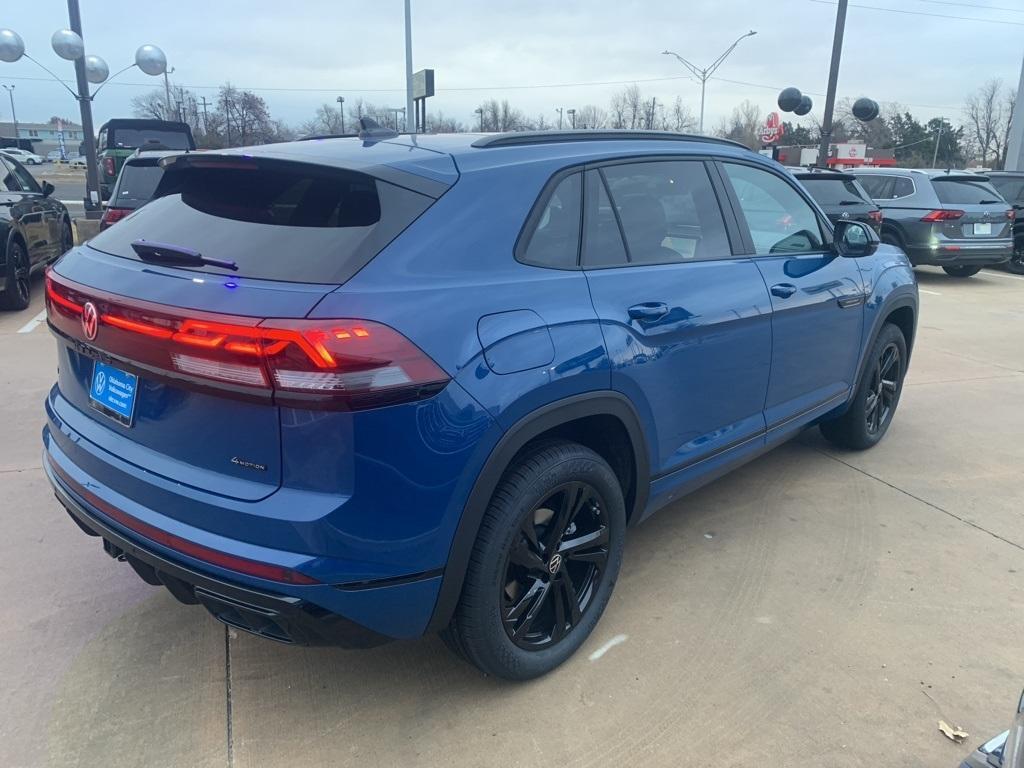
(354, 389)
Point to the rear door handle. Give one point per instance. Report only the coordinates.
(783, 290)
(649, 310)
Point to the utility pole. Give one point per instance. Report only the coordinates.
(654, 104)
(559, 111)
(341, 111)
(480, 111)
(92, 172)
(408, 66)
(833, 79)
(935, 154)
(206, 119)
(1015, 150)
(14, 115)
(572, 117)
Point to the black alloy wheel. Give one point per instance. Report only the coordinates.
(884, 388)
(17, 292)
(1016, 263)
(555, 566)
(67, 239)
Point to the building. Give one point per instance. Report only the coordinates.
(853, 154)
(44, 137)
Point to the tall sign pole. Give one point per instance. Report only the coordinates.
(408, 67)
(833, 79)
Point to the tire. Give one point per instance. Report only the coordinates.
(529, 599)
(961, 271)
(1016, 263)
(67, 238)
(17, 282)
(877, 396)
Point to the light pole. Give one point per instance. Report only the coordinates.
(167, 90)
(938, 138)
(572, 117)
(14, 115)
(341, 111)
(408, 66)
(833, 78)
(559, 111)
(705, 74)
(68, 44)
(480, 111)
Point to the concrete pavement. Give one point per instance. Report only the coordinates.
(816, 607)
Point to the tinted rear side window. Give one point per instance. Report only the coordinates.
(136, 185)
(964, 192)
(835, 191)
(555, 239)
(276, 221)
(151, 138)
(1010, 188)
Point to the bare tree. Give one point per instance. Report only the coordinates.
(681, 118)
(627, 108)
(327, 120)
(441, 123)
(743, 125)
(152, 105)
(502, 116)
(246, 118)
(591, 116)
(987, 113)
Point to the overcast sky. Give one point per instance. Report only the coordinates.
(300, 54)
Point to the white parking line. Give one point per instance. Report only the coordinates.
(33, 323)
(617, 640)
(930, 293)
(993, 273)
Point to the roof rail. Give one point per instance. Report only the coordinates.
(553, 137)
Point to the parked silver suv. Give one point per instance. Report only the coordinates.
(951, 219)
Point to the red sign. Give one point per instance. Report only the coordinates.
(772, 129)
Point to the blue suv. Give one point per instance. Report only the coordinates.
(348, 390)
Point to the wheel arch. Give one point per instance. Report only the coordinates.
(604, 421)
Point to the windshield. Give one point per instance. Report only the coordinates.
(150, 138)
(836, 191)
(1010, 188)
(965, 191)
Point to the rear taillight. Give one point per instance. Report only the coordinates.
(875, 216)
(112, 216)
(342, 363)
(1011, 214)
(108, 166)
(942, 215)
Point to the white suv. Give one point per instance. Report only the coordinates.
(22, 156)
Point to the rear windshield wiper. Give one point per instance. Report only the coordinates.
(852, 202)
(161, 253)
(989, 202)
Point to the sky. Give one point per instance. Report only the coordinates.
(540, 55)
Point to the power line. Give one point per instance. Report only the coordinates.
(972, 5)
(924, 13)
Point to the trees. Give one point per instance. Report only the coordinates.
(987, 112)
(743, 125)
(501, 116)
(327, 120)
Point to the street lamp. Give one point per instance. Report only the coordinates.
(341, 111)
(14, 115)
(705, 74)
(68, 44)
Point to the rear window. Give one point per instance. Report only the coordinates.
(1010, 188)
(836, 191)
(276, 221)
(151, 138)
(965, 192)
(136, 185)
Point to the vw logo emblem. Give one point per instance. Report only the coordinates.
(101, 383)
(554, 563)
(90, 320)
(844, 215)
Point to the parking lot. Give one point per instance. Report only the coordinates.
(815, 607)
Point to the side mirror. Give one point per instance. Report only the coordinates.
(854, 239)
(47, 189)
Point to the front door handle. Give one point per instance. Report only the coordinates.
(649, 310)
(783, 290)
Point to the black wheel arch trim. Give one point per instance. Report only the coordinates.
(898, 301)
(545, 418)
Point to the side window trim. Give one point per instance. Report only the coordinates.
(537, 211)
(823, 223)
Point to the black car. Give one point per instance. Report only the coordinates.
(135, 185)
(34, 230)
(840, 196)
(1010, 184)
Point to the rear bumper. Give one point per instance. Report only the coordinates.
(277, 617)
(961, 254)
